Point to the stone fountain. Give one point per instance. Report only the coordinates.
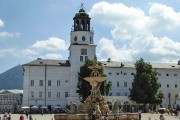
(95, 103)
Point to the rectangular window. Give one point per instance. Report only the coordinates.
(49, 94)
(117, 84)
(110, 73)
(58, 94)
(118, 94)
(83, 51)
(117, 73)
(40, 94)
(125, 94)
(86, 58)
(175, 74)
(81, 58)
(125, 84)
(167, 74)
(125, 73)
(58, 83)
(132, 73)
(32, 82)
(49, 82)
(40, 82)
(66, 94)
(110, 83)
(31, 94)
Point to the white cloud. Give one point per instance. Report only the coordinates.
(52, 44)
(1, 23)
(145, 46)
(128, 22)
(47, 49)
(7, 34)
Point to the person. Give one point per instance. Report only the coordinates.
(89, 116)
(21, 117)
(117, 115)
(107, 116)
(139, 115)
(9, 117)
(42, 112)
(30, 117)
(161, 117)
(26, 114)
(102, 115)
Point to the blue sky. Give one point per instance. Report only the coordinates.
(125, 30)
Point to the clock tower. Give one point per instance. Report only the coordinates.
(81, 46)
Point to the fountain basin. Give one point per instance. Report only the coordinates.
(95, 79)
(122, 116)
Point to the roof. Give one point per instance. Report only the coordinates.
(42, 62)
(16, 91)
(131, 65)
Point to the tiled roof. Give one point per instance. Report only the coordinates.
(131, 65)
(42, 62)
(16, 91)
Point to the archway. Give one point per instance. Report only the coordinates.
(126, 106)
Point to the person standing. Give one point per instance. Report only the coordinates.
(30, 117)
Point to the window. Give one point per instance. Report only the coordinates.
(110, 94)
(31, 94)
(58, 94)
(167, 74)
(118, 94)
(66, 94)
(40, 82)
(159, 85)
(125, 84)
(32, 82)
(110, 73)
(86, 58)
(117, 73)
(175, 74)
(159, 74)
(117, 84)
(167, 85)
(66, 81)
(49, 82)
(121, 72)
(110, 83)
(49, 94)
(132, 73)
(83, 51)
(175, 85)
(40, 94)
(125, 94)
(58, 83)
(125, 73)
(81, 58)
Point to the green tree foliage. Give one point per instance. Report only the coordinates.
(145, 87)
(84, 87)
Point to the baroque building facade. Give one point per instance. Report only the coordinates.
(53, 82)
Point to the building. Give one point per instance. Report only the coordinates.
(53, 82)
(10, 100)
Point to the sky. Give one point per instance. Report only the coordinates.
(125, 30)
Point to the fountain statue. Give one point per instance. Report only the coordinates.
(95, 104)
(95, 99)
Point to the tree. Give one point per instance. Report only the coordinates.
(145, 86)
(84, 87)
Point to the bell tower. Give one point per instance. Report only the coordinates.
(81, 46)
(82, 38)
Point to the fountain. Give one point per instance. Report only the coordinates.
(95, 104)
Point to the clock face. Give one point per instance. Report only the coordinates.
(75, 38)
(83, 38)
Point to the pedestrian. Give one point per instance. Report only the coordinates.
(102, 115)
(9, 117)
(116, 115)
(42, 112)
(30, 117)
(139, 115)
(21, 117)
(161, 117)
(26, 114)
(89, 116)
(107, 116)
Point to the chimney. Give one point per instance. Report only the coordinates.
(179, 62)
